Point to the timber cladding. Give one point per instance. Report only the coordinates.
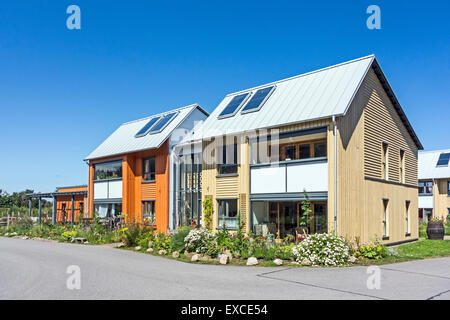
(362, 190)
(383, 124)
(134, 190)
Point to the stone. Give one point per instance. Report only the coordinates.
(175, 254)
(195, 258)
(252, 261)
(278, 262)
(189, 254)
(224, 259)
(306, 262)
(150, 250)
(138, 248)
(352, 259)
(228, 253)
(119, 245)
(162, 252)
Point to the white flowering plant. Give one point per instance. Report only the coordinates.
(199, 241)
(322, 250)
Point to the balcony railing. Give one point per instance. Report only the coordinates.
(290, 176)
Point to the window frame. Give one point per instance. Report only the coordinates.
(233, 167)
(152, 204)
(407, 220)
(243, 102)
(107, 163)
(425, 193)
(297, 145)
(385, 160)
(144, 172)
(402, 166)
(385, 219)
(227, 217)
(448, 188)
(261, 103)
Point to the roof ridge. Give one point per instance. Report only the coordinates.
(161, 114)
(303, 74)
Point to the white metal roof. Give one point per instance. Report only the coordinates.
(123, 140)
(311, 96)
(428, 168)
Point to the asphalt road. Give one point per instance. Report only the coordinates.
(37, 270)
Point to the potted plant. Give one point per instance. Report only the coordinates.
(435, 229)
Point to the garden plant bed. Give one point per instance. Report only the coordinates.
(240, 249)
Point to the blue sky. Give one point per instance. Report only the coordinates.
(62, 92)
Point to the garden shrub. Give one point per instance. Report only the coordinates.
(130, 235)
(322, 250)
(372, 250)
(163, 242)
(178, 239)
(200, 241)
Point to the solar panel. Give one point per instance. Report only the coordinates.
(443, 159)
(163, 122)
(145, 129)
(258, 99)
(234, 105)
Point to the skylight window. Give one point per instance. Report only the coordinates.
(163, 123)
(145, 129)
(258, 99)
(234, 105)
(443, 160)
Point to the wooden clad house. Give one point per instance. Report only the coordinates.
(70, 197)
(434, 185)
(130, 172)
(337, 136)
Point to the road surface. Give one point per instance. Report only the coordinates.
(38, 270)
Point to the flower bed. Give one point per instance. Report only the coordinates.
(322, 250)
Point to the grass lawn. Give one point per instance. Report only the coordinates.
(422, 249)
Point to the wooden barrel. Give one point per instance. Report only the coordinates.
(435, 230)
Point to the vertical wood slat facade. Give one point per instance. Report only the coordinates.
(80, 201)
(134, 190)
(370, 120)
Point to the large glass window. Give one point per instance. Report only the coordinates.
(288, 218)
(303, 150)
(148, 212)
(228, 213)
(227, 159)
(189, 194)
(108, 170)
(320, 218)
(320, 149)
(426, 188)
(107, 210)
(148, 169)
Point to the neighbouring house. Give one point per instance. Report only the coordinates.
(131, 171)
(69, 203)
(337, 135)
(434, 185)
